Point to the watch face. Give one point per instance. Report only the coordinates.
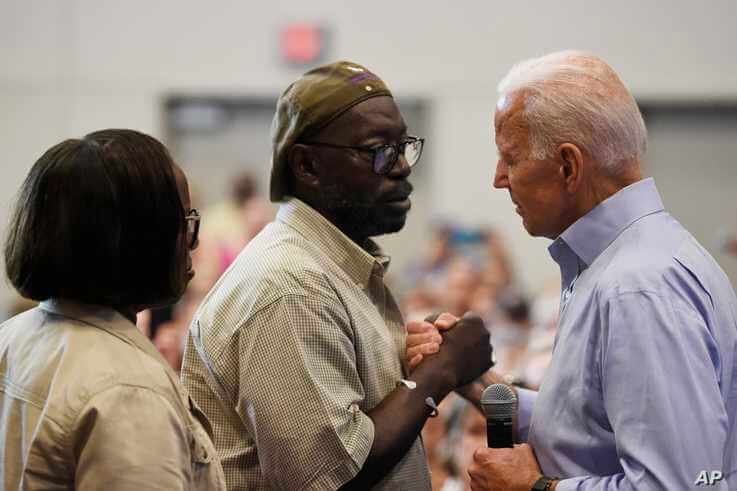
(542, 484)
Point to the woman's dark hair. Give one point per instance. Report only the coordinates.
(100, 220)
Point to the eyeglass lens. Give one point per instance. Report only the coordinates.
(193, 227)
(386, 157)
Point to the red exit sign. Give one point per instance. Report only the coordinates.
(302, 43)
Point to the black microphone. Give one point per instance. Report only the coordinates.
(499, 404)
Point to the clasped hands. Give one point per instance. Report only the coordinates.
(492, 468)
(423, 337)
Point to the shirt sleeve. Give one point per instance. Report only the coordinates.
(526, 402)
(130, 438)
(300, 393)
(659, 374)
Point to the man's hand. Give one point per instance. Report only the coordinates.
(504, 469)
(465, 353)
(423, 338)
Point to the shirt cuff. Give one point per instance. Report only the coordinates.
(358, 448)
(525, 402)
(570, 484)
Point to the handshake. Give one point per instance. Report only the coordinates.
(457, 349)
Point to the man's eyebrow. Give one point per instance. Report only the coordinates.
(385, 133)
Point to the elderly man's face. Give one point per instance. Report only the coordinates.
(535, 186)
(359, 201)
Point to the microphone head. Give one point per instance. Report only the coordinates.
(498, 401)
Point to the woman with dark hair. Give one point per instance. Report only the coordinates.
(102, 230)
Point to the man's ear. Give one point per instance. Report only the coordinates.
(302, 162)
(571, 166)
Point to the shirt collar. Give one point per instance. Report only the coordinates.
(591, 234)
(359, 263)
(105, 318)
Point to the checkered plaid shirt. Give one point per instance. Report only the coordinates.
(290, 349)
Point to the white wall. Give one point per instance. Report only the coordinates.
(69, 67)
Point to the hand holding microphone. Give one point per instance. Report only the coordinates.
(499, 404)
(504, 465)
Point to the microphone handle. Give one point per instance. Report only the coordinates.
(499, 433)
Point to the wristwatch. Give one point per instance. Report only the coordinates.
(545, 483)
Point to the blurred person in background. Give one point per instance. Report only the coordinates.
(171, 336)
(461, 281)
(297, 352)
(229, 227)
(472, 435)
(251, 213)
(232, 224)
(441, 437)
(435, 256)
(460, 269)
(497, 270)
(729, 244)
(420, 302)
(544, 317)
(510, 334)
(102, 230)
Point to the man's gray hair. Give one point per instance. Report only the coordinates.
(575, 97)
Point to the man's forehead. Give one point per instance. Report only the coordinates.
(376, 115)
(504, 102)
(506, 145)
(382, 109)
(511, 134)
(509, 114)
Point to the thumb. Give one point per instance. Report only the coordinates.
(445, 321)
(481, 455)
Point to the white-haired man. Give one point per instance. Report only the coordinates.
(641, 392)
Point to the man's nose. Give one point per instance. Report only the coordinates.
(501, 179)
(401, 169)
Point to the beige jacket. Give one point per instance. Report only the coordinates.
(86, 402)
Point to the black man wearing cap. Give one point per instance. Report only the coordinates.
(296, 353)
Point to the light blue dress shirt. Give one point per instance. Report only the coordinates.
(641, 392)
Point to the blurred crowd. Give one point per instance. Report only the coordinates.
(470, 269)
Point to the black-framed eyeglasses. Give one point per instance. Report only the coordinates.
(193, 228)
(384, 157)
